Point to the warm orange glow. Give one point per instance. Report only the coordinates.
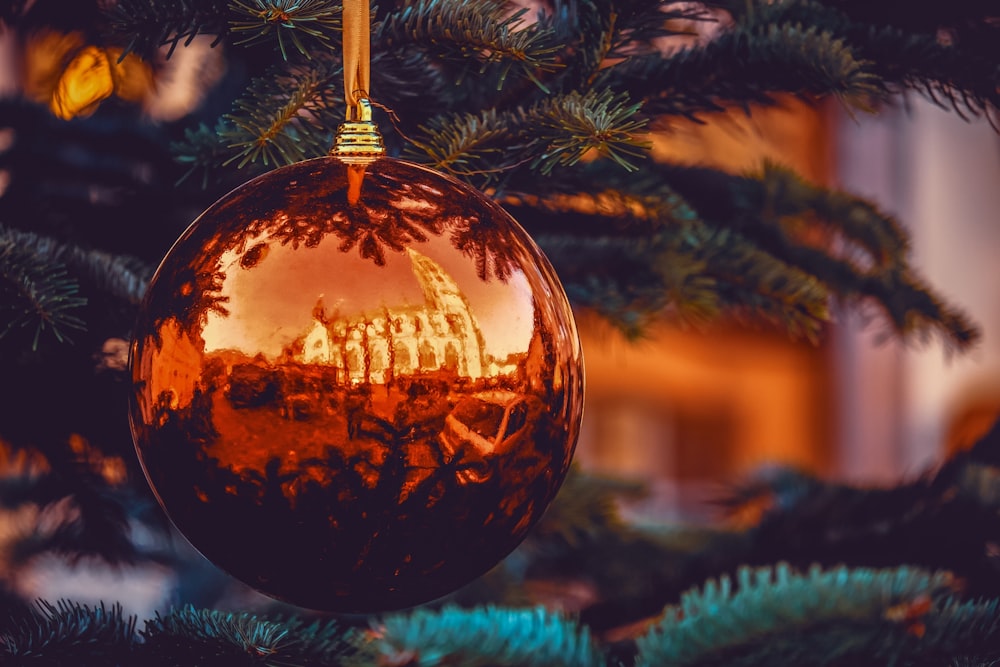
(111, 468)
(760, 399)
(19, 462)
(73, 77)
(85, 83)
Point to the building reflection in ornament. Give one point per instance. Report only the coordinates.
(401, 340)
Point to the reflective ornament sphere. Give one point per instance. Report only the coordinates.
(355, 389)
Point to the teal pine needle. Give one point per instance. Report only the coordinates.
(769, 615)
(485, 636)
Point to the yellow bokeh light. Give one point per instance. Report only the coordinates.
(85, 83)
(73, 78)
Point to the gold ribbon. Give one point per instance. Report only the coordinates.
(357, 54)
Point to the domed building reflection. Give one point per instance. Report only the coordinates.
(400, 340)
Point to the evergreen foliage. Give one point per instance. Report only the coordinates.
(838, 615)
(39, 297)
(550, 112)
(66, 631)
(211, 637)
(485, 636)
(765, 616)
(520, 100)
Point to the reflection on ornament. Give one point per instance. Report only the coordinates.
(355, 402)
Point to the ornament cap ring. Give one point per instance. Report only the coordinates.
(358, 138)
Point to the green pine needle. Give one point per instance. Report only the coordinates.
(742, 66)
(478, 34)
(37, 296)
(204, 151)
(307, 24)
(485, 637)
(772, 211)
(216, 637)
(461, 144)
(637, 258)
(122, 276)
(962, 75)
(303, 106)
(559, 131)
(146, 25)
(597, 121)
(779, 616)
(68, 633)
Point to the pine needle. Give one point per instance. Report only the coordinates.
(306, 24)
(778, 616)
(69, 633)
(146, 25)
(296, 122)
(478, 34)
(742, 67)
(214, 637)
(485, 636)
(37, 296)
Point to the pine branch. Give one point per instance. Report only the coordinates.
(759, 287)
(777, 616)
(960, 17)
(307, 24)
(808, 521)
(638, 250)
(640, 26)
(146, 25)
(121, 276)
(744, 205)
(69, 633)
(743, 66)
(461, 144)
(305, 105)
(597, 121)
(204, 152)
(945, 523)
(559, 131)
(283, 118)
(694, 275)
(851, 222)
(198, 636)
(628, 258)
(962, 75)
(485, 636)
(478, 36)
(733, 240)
(37, 296)
(957, 632)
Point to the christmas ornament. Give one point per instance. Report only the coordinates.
(357, 382)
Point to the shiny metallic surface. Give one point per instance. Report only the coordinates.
(355, 402)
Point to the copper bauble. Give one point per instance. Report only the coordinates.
(355, 401)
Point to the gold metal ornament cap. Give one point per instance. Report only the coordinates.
(358, 139)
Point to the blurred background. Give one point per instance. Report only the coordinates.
(860, 406)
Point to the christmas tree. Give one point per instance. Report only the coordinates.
(125, 120)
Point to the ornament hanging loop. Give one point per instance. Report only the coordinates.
(358, 138)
